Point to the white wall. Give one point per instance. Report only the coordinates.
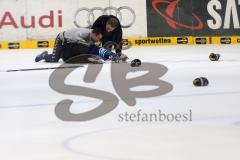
(38, 8)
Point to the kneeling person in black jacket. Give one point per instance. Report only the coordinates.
(111, 30)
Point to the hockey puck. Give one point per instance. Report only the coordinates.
(200, 82)
(136, 63)
(214, 57)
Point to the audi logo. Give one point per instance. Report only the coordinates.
(121, 12)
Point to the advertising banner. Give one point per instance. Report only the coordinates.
(193, 17)
(43, 19)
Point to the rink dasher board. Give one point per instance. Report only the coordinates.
(128, 42)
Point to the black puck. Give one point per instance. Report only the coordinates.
(136, 63)
(202, 81)
(214, 57)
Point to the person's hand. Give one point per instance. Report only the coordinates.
(99, 44)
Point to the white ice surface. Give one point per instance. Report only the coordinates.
(29, 129)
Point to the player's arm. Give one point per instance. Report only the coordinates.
(118, 39)
(105, 54)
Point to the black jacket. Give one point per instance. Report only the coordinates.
(115, 36)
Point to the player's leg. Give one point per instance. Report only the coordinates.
(75, 53)
(57, 51)
(56, 54)
(81, 53)
(41, 56)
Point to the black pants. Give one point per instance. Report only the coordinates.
(66, 51)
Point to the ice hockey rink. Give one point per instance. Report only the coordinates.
(29, 128)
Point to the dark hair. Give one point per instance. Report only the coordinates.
(113, 22)
(97, 31)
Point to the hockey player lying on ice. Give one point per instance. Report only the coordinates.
(77, 41)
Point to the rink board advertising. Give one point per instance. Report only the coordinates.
(193, 17)
(148, 41)
(145, 22)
